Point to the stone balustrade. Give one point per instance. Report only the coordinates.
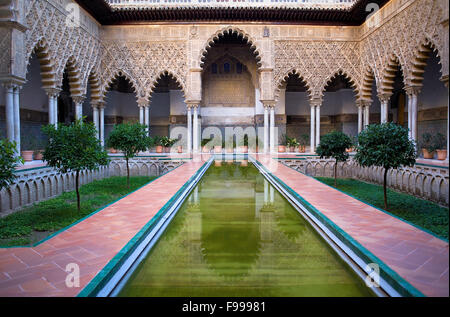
(42, 183)
(424, 181)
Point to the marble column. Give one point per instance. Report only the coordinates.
(414, 111)
(195, 130)
(266, 129)
(78, 100)
(409, 112)
(384, 100)
(95, 119)
(101, 109)
(17, 118)
(9, 98)
(141, 114)
(360, 118)
(312, 136)
(272, 128)
(189, 129)
(147, 118)
(317, 125)
(367, 114)
(52, 94)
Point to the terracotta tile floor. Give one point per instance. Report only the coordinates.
(420, 258)
(92, 243)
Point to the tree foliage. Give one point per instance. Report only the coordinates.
(8, 162)
(74, 147)
(385, 145)
(130, 138)
(335, 144)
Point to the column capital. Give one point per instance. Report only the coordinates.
(143, 102)
(315, 102)
(413, 90)
(384, 97)
(363, 103)
(444, 79)
(79, 99)
(268, 103)
(52, 92)
(193, 104)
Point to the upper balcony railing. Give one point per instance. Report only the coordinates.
(306, 4)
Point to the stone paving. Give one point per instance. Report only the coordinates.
(419, 257)
(92, 243)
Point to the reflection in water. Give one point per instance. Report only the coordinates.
(237, 236)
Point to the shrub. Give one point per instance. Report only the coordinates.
(8, 162)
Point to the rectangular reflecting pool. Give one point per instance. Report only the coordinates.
(236, 235)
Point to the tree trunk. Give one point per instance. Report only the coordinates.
(384, 189)
(128, 174)
(335, 173)
(77, 185)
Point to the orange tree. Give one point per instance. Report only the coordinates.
(385, 145)
(74, 148)
(8, 162)
(334, 144)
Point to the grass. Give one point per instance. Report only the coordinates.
(422, 213)
(36, 222)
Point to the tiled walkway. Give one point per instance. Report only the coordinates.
(92, 243)
(420, 258)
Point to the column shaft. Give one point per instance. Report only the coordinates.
(189, 130)
(414, 117)
(312, 136)
(51, 110)
(195, 130)
(266, 129)
(366, 116)
(95, 118)
(10, 113)
(17, 118)
(141, 115)
(147, 118)
(272, 129)
(102, 126)
(317, 126)
(360, 119)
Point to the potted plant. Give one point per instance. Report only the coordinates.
(427, 146)
(282, 145)
(204, 144)
(440, 146)
(292, 143)
(38, 152)
(159, 143)
(27, 147)
(352, 147)
(244, 148)
(304, 140)
(150, 144)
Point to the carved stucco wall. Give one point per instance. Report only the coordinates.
(395, 34)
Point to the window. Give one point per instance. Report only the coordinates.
(214, 68)
(239, 68)
(226, 67)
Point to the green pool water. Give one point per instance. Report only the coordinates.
(235, 235)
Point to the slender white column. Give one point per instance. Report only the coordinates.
(195, 129)
(55, 109)
(266, 129)
(95, 119)
(51, 110)
(141, 115)
(312, 136)
(360, 118)
(366, 115)
(78, 100)
(102, 125)
(147, 118)
(272, 129)
(272, 194)
(9, 90)
(409, 115)
(189, 130)
(317, 126)
(17, 118)
(414, 116)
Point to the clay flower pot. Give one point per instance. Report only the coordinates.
(244, 163)
(179, 149)
(112, 151)
(349, 150)
(281, 148)
(159, 149)
(167, 150)
(39, 155)
(441, 155)
(292, 149)
(243, 149)
(230, 150)
(205, 149)
(217, 149)
(427, 155)
(302, 149)
(27, 156)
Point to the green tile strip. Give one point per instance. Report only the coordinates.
(382, 210)
(88, 216)
(397, 282)
(100, 280)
